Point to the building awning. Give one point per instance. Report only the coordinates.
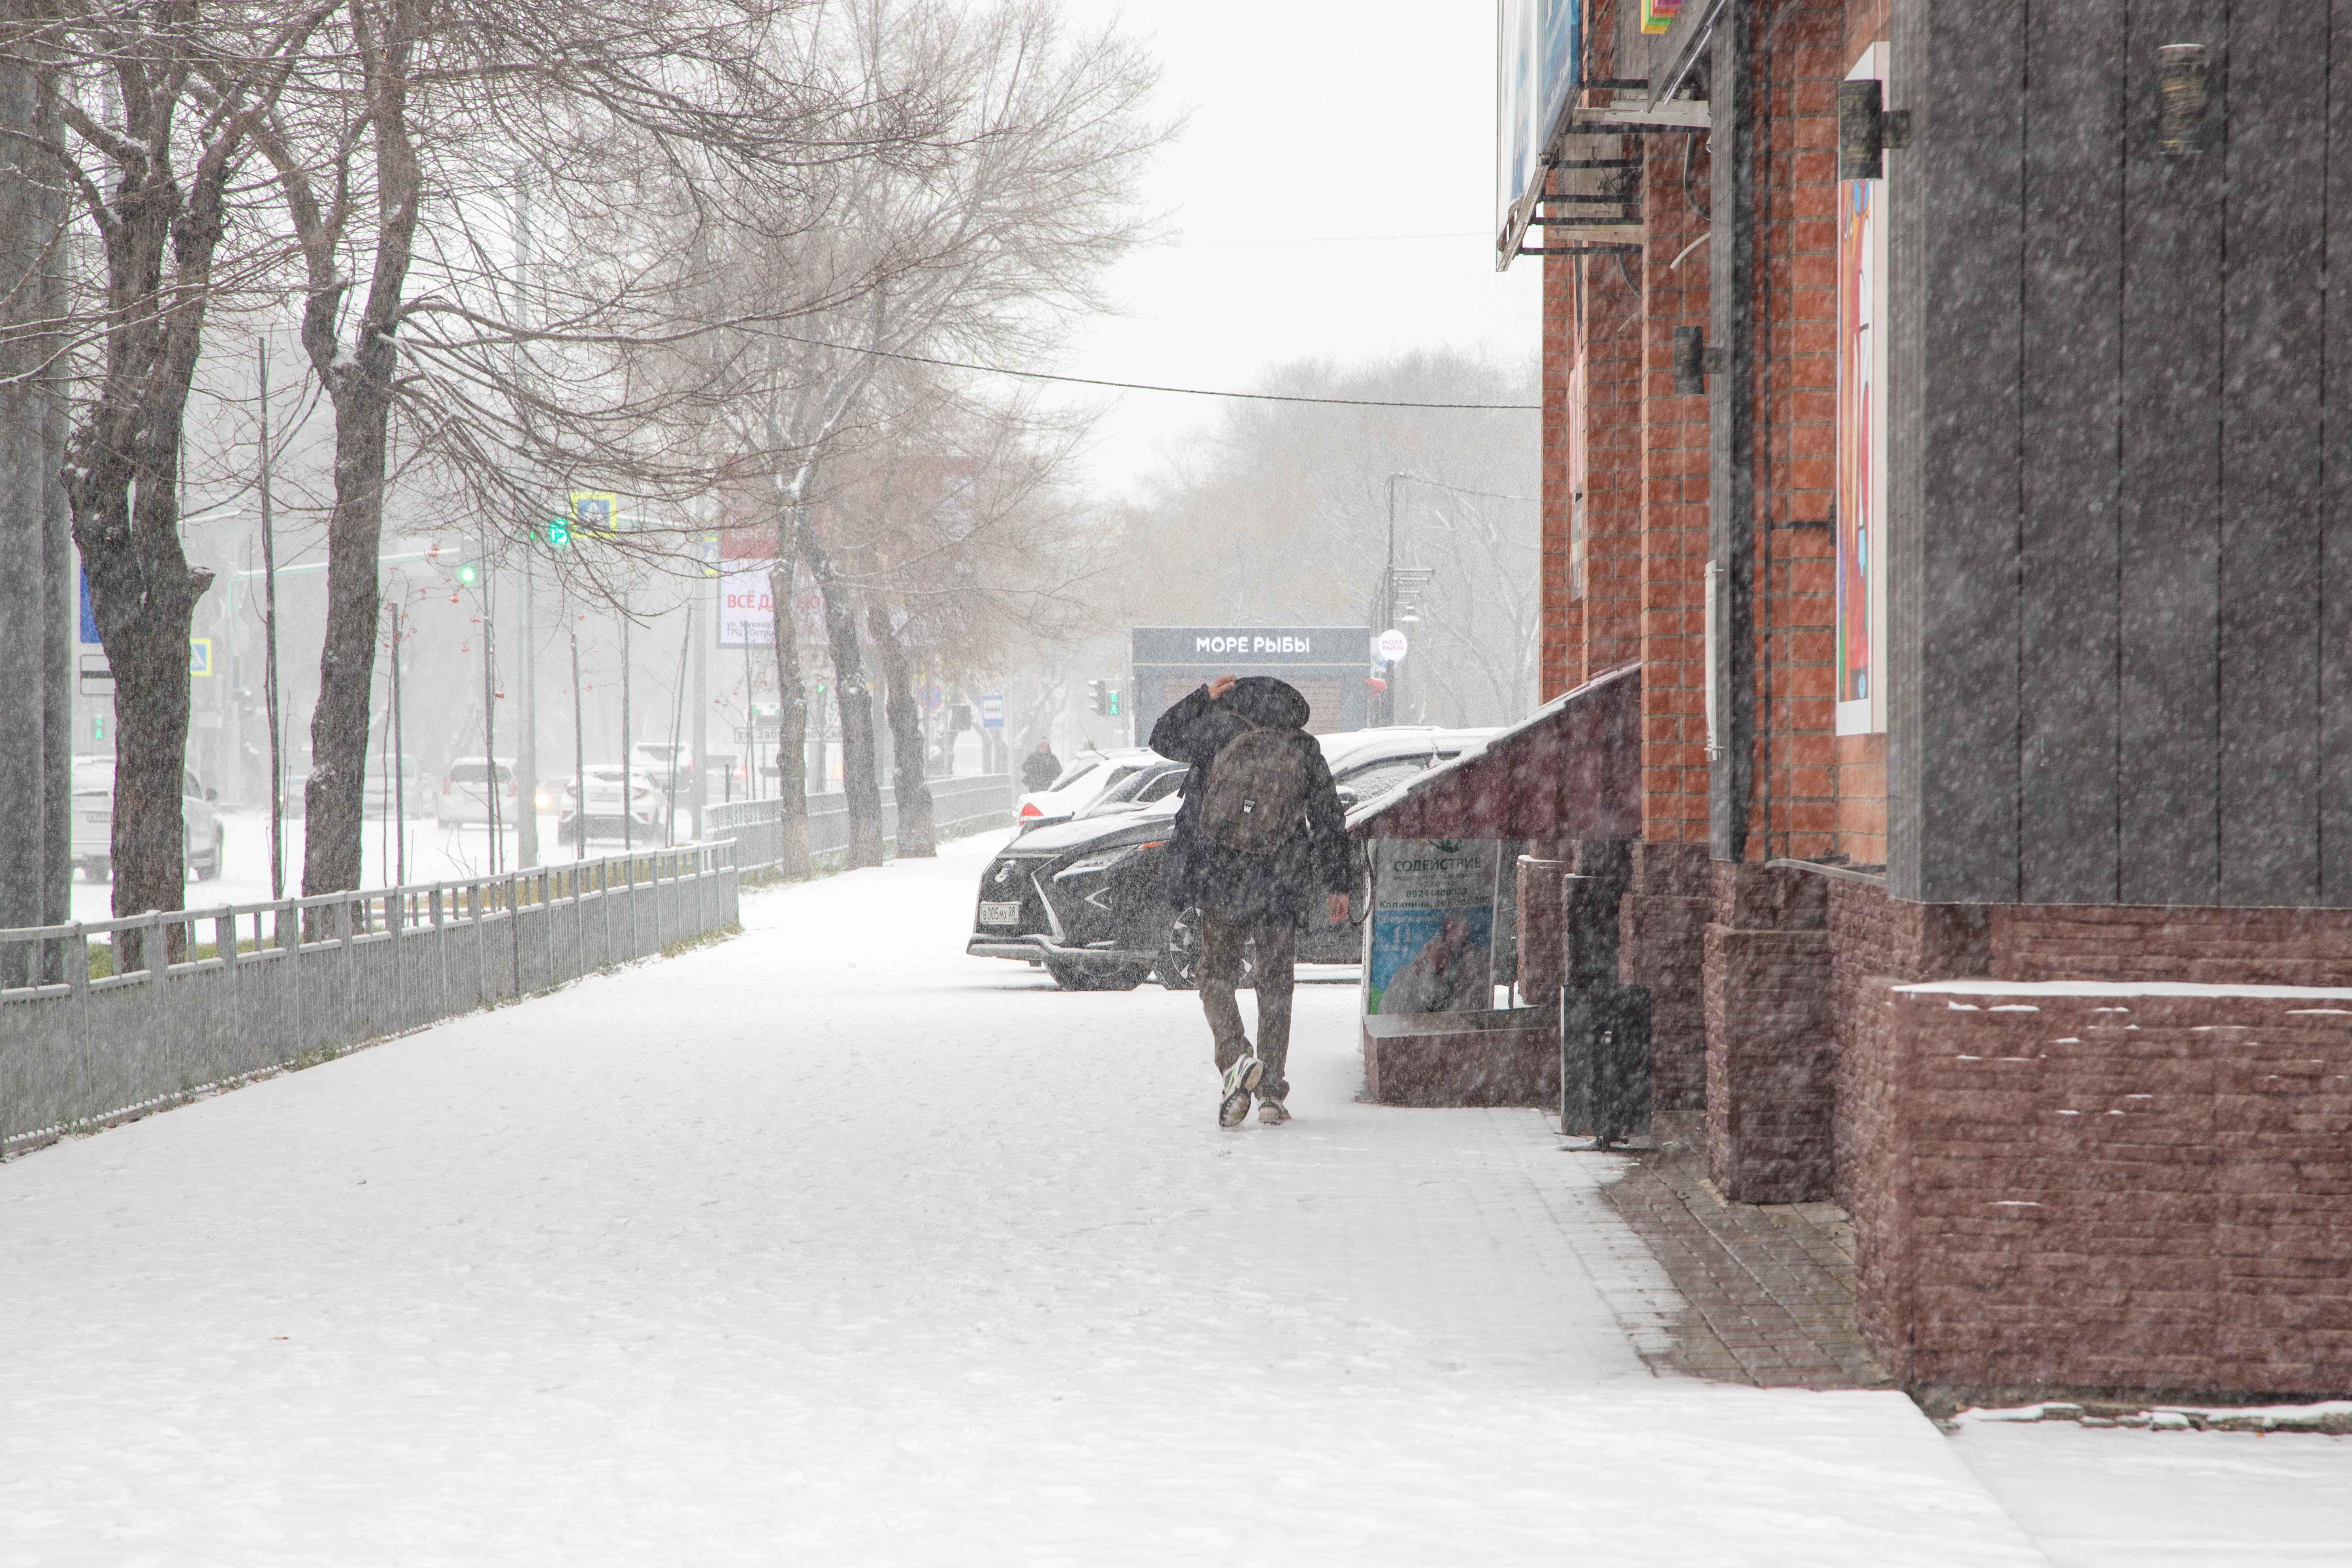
(1572, 769)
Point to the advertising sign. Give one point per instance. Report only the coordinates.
(747, 604)
(1862, 443)
(1537, 51)
(1432, 941)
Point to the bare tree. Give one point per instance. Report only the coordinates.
(159, 101)
(393, 164)
(984, 248)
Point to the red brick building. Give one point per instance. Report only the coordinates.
(1935, 409)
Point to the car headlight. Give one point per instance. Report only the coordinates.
(1104, 859)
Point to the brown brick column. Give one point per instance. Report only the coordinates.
(1770, 1036)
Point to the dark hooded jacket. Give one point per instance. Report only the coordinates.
(1205, 874)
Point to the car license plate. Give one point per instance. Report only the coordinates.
(97, 816)
(1000, 914)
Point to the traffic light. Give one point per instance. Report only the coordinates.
(1110, 694)
(468, 573)
(559, 531)
(1099, 697)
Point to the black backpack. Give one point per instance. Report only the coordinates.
(1256, 791)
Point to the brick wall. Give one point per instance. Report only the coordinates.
(1770, 1044)
(1661, 945)
(2057, 1188)
(1796, 805)
(1875, 937)
(1561, 657)
(2229, 946)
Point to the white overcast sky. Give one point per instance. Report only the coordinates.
(1312, 123)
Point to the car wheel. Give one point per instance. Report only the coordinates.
(1179, 968)
(1078, 977)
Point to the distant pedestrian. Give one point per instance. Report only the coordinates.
(1260, 837)
(1040, 768)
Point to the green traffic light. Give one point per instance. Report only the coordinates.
(559, 531)
(468, 574)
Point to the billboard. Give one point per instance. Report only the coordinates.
(1862, 443)
(747, 604)
(1538, 57)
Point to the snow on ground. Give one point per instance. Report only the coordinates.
(829, 1245)
(2117, 1498)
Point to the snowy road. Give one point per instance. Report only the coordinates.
(831, 1246)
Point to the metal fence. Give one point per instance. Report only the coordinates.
(297, 979)
(203, 998)
(959, 806)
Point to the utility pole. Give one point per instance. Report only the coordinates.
(527, 748)
(269, 651)
(708, 593)
(628, 759)
(490, 723)
(399, 746)
(527, 745)
(580, 752)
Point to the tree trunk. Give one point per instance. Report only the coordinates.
(791, 718)
(861, 790)
(918, 831)
(334, 828)
(360, 384)
(122, 488)
(35, 593)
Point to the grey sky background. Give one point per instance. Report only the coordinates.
(1312, 123)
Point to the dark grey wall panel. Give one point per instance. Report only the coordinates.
(2169, 521)
(1959, 71)
(1908, 233)
(2271, 475)
(2070, 324)
(2335, 516)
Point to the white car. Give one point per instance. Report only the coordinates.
(1081, 784)
(646, 805)
(465, 792)
(201, 837)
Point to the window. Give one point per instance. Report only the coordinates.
(1163, 786)
(1379, 778)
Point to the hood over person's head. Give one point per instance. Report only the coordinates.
(1262, 700)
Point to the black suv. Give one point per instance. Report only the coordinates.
(1082, 897)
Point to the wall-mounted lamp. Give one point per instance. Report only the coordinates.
(1866, 129)
(2180, 84)
(1695, 362)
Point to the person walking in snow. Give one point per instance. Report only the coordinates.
(1040, 768)
(1259, 840)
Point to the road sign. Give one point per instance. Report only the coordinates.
(1391, 644)
(930, 697)
(991, 713)
(200, 656)
(595, 512)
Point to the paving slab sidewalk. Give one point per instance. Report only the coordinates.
(830, 1244)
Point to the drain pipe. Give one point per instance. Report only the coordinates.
(1731, 439)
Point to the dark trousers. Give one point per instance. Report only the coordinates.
(1221, 972)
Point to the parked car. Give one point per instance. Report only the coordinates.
(1081, 784)
(1081, 897)
(415, 794)
(656, 760)
(465, 794)
(203, 840)
(646, 805)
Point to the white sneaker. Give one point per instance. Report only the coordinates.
(1272, 1113)
(1240, 1079)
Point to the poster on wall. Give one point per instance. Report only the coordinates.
(1433, 939)
(1536, 64)
(1861, 443)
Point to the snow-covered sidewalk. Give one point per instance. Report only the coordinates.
(828, 1244)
